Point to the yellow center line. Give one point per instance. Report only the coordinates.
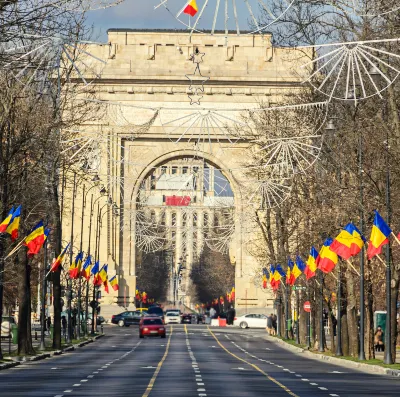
(185, 329)
(160, 364)
(254, 366)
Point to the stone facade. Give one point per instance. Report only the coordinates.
(145, 71)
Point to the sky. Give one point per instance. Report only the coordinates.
(140, 14)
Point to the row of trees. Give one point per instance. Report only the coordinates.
(37, 101)
(347, 182)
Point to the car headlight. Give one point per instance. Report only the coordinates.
(145, 329)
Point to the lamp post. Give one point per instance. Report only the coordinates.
(43, 307)
(321, 324)
(287, 312)
(297, 317)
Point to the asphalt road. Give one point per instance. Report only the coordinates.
(191, 361)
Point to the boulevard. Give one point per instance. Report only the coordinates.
(194, 360)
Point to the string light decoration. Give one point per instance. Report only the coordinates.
(197, 80)
(36, 59)
(224, 14)
(373, 9)
(345, 71)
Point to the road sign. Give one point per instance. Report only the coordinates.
(298, 287)
(307, 307)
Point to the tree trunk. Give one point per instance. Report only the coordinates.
(302, 319)
(345, 335)
(24, 316)
(369, 322)
(352, 322)
(331, 327)
(395, 294)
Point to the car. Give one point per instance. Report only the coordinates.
(251, 320)
(151, 326)
(187, 318)
(157, 311)
(201, 319)
(172, 318)
(128, 318)
(99, 319)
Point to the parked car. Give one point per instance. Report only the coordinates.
(126, 319)
(151, 326)
(251, 321)
(100, 319)
(172, 318)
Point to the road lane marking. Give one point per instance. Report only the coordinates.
(160, 364)
(185, 328)
(287, 390)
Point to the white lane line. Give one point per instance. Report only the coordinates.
(76, 385)
(90, 376)
(96, 372)
(322, 388)
(314, 384)
(299, 376)
(200, 384)
(305, 380)
(333, 395)
(59, 395)
(84, 380)
(197, 390)
(67, 391)
(55, 368)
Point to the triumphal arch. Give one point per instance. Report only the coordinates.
(168, 148)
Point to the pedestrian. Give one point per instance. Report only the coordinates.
(64, 325)
(378, 340)
(270, 328)
(212, 313)
(274, 323)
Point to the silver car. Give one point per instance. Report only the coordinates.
(172, 318)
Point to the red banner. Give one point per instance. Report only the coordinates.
(177, 201)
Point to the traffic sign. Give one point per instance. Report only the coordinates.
(307, 306)
(298, 287)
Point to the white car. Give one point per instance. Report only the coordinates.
(251, 321)
(172, 318)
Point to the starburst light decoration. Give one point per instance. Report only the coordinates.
(347, 71)
(228, 15)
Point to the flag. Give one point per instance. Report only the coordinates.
(75, 268)
(95, 271)
(233, 294)
(144, 297)
(114, 283)
(379, 236)
(290, 278)
(298, 267)
(138, 295)
(191, 8)
(12, 228)
(6, 222)
(86, 268)
(264, 278)
(35, 239)
(57, 263)
(271, 276)
(349, 242)
(311, 267)
(327, 259)
(221, 300)
(103, 273)
(106, 286)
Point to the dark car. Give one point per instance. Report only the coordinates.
(151, 326)
(187, 318)
(201, 319)
(126, 319)
(156, 310)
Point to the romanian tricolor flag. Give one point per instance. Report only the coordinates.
(327, 259)
(311, 267)
(138, 295)
(264, 278)
(86, 268)
(57, 263)
(298, 267)
(12, 228)
(349, 242)
(114, 283)
(290, 278)
(221, 300)
(6, 222)
(144, 297)
(35, 239)
(75, 268)
(379, 236)
(95, 271)
(233, 294)
(103, 273)
(106, 286)
(191, 8)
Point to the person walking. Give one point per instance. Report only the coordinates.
(48, 322)
(212, 313)
(270, 328)
(64, 325)
(378, 340)
(274, 323)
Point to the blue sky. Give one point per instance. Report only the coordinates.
(140, 14)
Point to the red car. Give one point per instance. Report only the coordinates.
(151, 326)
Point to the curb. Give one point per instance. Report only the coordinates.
(372, 369)
(49, 355)
(9, 365)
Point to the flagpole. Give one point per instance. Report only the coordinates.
(321, 319)
(78, 334)
(351, 265)
(339, 351)
(287, 311)
(43, 307)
